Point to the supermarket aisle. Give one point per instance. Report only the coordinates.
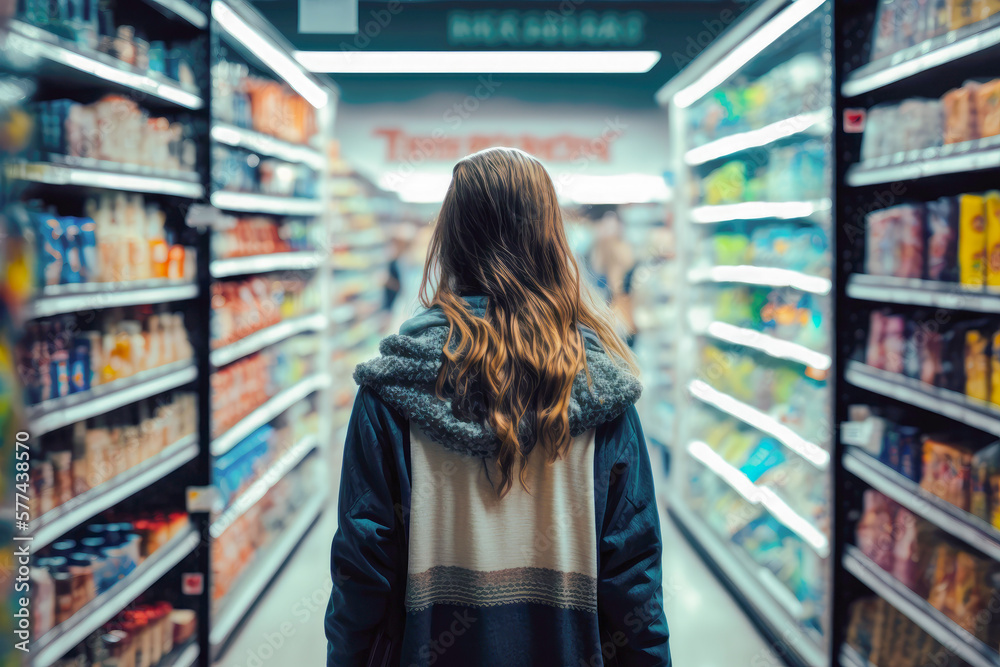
(285, 629)
(699, 610)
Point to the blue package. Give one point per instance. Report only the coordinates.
(88, 249)
(890, 448)
(72, 265)
(50, 257)
(79, 366)
(910, 452)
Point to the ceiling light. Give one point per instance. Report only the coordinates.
(479, 62)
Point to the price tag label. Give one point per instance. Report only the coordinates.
(854, 120)
(858, 434)
(203, 499)
(192, 583)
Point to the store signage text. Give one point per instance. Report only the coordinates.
(402, 146)
(551, 28)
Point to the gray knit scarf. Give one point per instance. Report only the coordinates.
(405, 374)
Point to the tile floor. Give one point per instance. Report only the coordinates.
(286, 629)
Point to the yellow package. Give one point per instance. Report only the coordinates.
(972, 240)
(961, 13)
(986, 8)
(992, 206)
(995, 369)
(976, 365)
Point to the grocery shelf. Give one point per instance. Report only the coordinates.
(268, 411)
(913, 291)
(50, 647)
(275, 472)
(265, 337)
(769, 345)
(95, 67)
(764, 276)
(774, 605)
(57, 522)
(124, 178)
(343, 314)
(760, 210)
(922, 57)
(58, 412)
(978, 414)
(761, 495)
(278, 261)
(933, 622)
(809, 123)
(260, 573)
(952, 159)
(764, 423)
(182, 656)
(58, 299)
(249, 202)
(258, 142)
(182, 9)
(969, 528)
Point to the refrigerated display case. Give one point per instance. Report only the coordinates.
(751, 142)
(918, 207)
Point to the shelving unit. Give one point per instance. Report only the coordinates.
(57, 522)
(220, 29)
(58, 412)
(926, 68)
(712, 343)
(55, 643)
(970, 529)
(918, 610)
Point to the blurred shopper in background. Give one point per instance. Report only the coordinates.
(497, 503)
(612, 263)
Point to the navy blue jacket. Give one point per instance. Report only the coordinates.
(366, 623)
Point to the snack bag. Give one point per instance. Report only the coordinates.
(988, 108)
(960, 114)
(961, 13)
(977, 365)
(911, 550)
(910, 263)
(875, 352)
(985, 463)
(942, 578)
(995, 368)
(881, 243)
(875, 529)
(967, 598)
(992, 220)
(946, 472)
(972, 240)
(942, 240)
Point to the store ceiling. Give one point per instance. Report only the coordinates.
(678, 30)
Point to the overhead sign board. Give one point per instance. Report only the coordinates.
(566, 28)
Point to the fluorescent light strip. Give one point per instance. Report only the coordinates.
(479, 62)
(280, 62)
(762, 422)
(774, 347)
(746, 51)
(762, 275)
(759, 210)
(760, 495)
(813, 121)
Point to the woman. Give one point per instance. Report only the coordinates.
(497, 504)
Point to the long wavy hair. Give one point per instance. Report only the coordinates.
(500, 235)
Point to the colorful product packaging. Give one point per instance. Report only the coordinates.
(985, 464)
(988, 108)
(992, 221)
(972, 240)
(947, 472)
(960, 114)
(977, 348)
(942, 240)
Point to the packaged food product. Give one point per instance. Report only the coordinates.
(992, 221)
(875, 351)
(977, 354)
(912, 548)
(960, 114)
(972, 239)
(994, 500)
(942, 578)
(910, 242)
(946, 472)
(985, 463)
(988, 109)
(895, 343)
(962, 13)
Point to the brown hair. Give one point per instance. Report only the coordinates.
(500, 235)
